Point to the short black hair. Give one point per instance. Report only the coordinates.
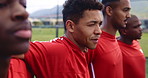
(108, 3)
(74, 9)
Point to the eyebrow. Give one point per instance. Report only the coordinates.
(93, 21)
(100, 22)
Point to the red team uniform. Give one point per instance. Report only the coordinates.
(18, 69)
(107, 57)
(60, 59)
(133, 60)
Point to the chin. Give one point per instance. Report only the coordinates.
(19, 49)
(122, 27)
(92, 47)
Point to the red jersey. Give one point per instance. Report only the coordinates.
(133, 60)
(107, 57)
(60, 59)
(18, 69)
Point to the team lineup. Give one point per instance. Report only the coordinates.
(89, 47)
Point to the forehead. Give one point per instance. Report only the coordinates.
(134, 21)
(124, 4)
(92, 14)
(127, 2)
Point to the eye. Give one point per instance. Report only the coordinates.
(126, 9)
(92, 24)
(137, 26)
(2, 5)
(100, 23)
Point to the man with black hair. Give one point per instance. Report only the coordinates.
(133, 57)
(65, 56)
(107, 57)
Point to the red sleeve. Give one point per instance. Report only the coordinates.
(36, 58)
(18, 69)
(43, 56)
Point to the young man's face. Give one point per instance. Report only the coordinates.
(121, 14)
(15, 29)
(87, 31)
(134, 31)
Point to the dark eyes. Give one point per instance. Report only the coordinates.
(126, 9)
(100, 23)
(2, 5)
(137, 26)
(95, 23)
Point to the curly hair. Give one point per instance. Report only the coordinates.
(74, 9)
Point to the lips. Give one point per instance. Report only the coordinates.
(125, 21)
(22, 30)
(95, 40)
(24, 34)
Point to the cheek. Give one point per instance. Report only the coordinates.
(134, 31)
(88, 32)
(84, 34)
(84, 37)
(120, 15)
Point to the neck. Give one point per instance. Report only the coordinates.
(4, 65)
(125, 40)
(108, 27)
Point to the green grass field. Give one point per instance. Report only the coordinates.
(144, 43)
(46, 34)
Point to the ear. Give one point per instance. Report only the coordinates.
(109, 10)
(70, 25)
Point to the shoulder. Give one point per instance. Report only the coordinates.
(45, 44)
(48, 47)
(44, 50)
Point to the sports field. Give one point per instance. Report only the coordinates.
(46, 34)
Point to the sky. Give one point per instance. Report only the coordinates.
(34, 5)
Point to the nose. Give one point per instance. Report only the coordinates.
(98, 30)
(128, 15)
(19, 12)
(140, 29)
